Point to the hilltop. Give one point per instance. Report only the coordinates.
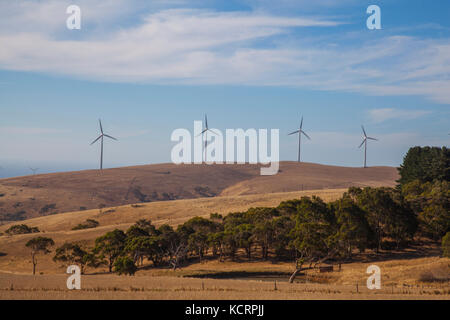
(46, 194)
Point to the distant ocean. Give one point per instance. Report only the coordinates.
(10, 169)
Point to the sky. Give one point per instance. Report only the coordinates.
(147, 68)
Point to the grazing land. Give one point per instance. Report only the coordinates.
(59, 226)
(245, 280)
(80, 207)
(47, 194)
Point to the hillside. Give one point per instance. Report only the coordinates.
(14, 256)
(46, 194)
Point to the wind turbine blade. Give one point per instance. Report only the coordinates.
(206, 122)
(101, 128)
(362, 143)
(297, 131)
(305, 134)
(204, 130)
(110, 137)
(370, 138)
(301, 124)
(96, 139)
(213, 132)
(364, 131)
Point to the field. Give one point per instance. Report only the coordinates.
(399, 281)
(413, 273)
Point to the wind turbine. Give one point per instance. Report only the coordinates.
(205, 131)
(101, 137)
(300, 131)
(365, 145)
(34, 170)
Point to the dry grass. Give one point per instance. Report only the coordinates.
(46, 194)
(59, 226)
(153, 284)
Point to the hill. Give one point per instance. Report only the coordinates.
(40, 195)
(14, 256)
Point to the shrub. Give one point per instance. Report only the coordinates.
(436, 274)
(21, 229)
(88, 224)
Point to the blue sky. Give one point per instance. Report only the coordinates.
(147, 68)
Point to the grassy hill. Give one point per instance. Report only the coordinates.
(46, 194)
(16, 256)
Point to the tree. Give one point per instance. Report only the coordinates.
(194, 233)
(243, 234)
(147, 226)
(39, 245)
(144, 246)
(280, 228)
(386, 213)
(446, 245)
(353, 230)
(431, 203)
(313, 230)
(110, 246)
(125, 265)
(263, 231)
(313, 233)
(425, 164)
(216, 241)
(172, 245)
(73, 253)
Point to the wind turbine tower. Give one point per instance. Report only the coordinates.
(365, 138)
(101, 136)
(300, 132)
(205, 131)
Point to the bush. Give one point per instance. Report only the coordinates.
(125, 265)
(436, 274)
(446, 245)
(90, 223)
(21, 229)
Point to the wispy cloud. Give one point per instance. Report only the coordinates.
(384, 114)
(192, 46)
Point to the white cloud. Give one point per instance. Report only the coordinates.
(384, 114)
(190, 46)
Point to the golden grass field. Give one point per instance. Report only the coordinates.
(399, 281)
